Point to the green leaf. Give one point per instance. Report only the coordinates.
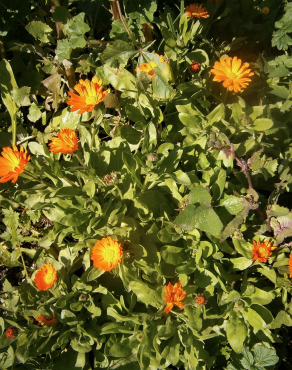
(200, 195)
(232, 203)
(34, 113)
(201, 217)
(130, 165)
(21, 96)
(281, 319)
(241, 263)
(122, 80)
(216, 115)
(243, 247)
(262, 124)
(247, 361)
(236, 333)
(39, 30)
(146, 294)
(118, 54)
(254, 319)
(173, 255)
(265, 356)
(64, 49)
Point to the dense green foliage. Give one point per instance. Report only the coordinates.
(196, 173)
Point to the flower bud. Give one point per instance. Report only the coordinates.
(110, 179)
(265, 10)
(152, 157)
(195, 67)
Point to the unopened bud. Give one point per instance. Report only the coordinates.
(195, 67)
(245, 120)
(265, 10)
(152, 157)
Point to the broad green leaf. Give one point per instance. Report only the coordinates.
(146, 294)
(216, 115)
(122, 80)
(262, 124)
(236, 333)
(254, 319)
(21, 96)
(200, 195)
(118, 54)
(240, 263)
(130, 165)
(265, 356)
(283, 318)
(173, 255)
(39, 30)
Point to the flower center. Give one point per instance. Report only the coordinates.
(200, 300)
(109, 254)
(263, 252)
(91, 100)
(231, 75)
(48, 278)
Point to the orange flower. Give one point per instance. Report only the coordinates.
(46, 320)
(11, 332)
(195, 67)
(148, 68)
(201, 300)
(106, 254)
(13, 163)
(173, 296)
(234, 75)
(265, 10)
(290, 265)
(161, 58)
(46, 277)
(262, 251)
(90, 94)
(197, 11)
(66, 142)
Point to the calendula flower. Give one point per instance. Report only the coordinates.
(12, 163)
(173, 295)
(148, 68)
(90, 94)
(11, 332)
(290, 265)
(197, 11)
(265, 10)
(201, 300)
(262, 250)
(66, 142)
(46, 277)
(195, 67)
(232, 72)
(46, 320)
(106, 254)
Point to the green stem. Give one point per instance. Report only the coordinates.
(94, 130)
(225, 97)
(80, 160)
(119, 191)
(69, 181)
(25, 270)
(35, 178)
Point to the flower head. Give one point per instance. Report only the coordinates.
(195, 67)
(148, 68)
(46, 277)
(11, 332)
(12, 163)
(232, 72)
(197, 11)
(261, 251)
(265, 10)
(290, 265)
(46, 320)
(66, 142)
(201, 300)
(173, 295)
(106, 254)
(90, 94)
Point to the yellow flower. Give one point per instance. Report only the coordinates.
(66, 142)
(232, 72)
(262, 251)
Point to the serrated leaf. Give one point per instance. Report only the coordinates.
(39, 30)
(265, 356)
(21, 96)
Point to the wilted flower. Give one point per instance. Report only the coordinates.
(46, 320)
(46, 277)
(197, 11)
(232, 72)
(13, 163)
(11, 332)
(174, 294)
(290, 265)
(195, 67)
(106, 254)
(265, 10)
(262, 251)
(66, 142)
(201, 300)
(90, 94)
(148, 68)
(110, 179)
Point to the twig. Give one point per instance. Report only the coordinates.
(121, 16)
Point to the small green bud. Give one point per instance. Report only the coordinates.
(152, 157)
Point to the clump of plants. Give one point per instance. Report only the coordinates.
(145, 177)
